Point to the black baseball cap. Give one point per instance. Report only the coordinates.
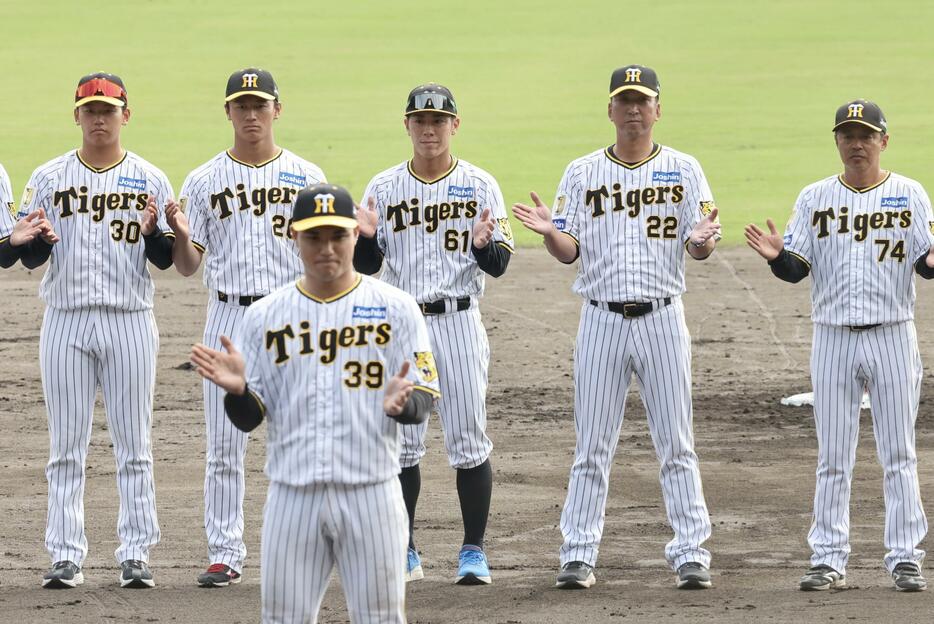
(431, 97)
(862, 112)
(636, 77)
(100, 87)
(323, 204)
(251, 81)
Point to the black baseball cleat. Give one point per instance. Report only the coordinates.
(821, 578)
(63, 575)
(135, 574)
(693, 575)
(219, 575)
(575, 575)
(907, 577)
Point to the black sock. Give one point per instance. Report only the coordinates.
(411, 480)
(474, 488)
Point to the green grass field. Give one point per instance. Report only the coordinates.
(749, 88)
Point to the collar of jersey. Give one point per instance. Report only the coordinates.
(868, 188)
(256, 166)
(656, 150)
(100, 169)
(439, 178)
(301, 289)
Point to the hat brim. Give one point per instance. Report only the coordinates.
(639, 88)
(320, 221)
(260, 94)
(430, 110)
(857, 121)
(100, 98)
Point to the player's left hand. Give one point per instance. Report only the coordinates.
(398, 391)
(177, 220)
(150, 217)
(929, 259)
(367, 219)
(47, 232)
(483, 229)
(227, 370)
(705, 229)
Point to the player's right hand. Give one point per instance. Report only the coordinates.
(766, 245)
(47, 232)
(398, 391)
(536, 218)
(367, 219)
(177, 220)
(227, 370)
(150, 216)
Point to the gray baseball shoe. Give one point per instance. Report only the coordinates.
(820, 578)
(907, 577)
(135, 574)
(693, 575)
(575, 575)
(63, 575)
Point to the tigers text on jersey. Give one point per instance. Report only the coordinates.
(97, 213)
(320, 368)
(862, 246)
(425, 228)
(7, 206)
(240, 214)
(631, 222)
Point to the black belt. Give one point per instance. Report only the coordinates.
(440, 307)
(633, 309)
(862, 327)
(243, 300)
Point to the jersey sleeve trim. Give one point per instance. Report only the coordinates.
(199, 246)
(799, 257)
(430, 391)
(506, 247)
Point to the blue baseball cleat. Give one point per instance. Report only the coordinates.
(473, 568)
(413, 567)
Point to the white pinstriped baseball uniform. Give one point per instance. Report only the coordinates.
(425, 233)
(861, 246)
(239, 216)
(7, 206)
(320, 367)
(631, 223)
(98, 330)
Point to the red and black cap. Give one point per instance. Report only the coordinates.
(251, 81)
(431, 98)
(323, 204)
(100, 87)
(637, 78)
(861, 112)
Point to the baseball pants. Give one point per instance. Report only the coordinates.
(307, 530)
(462, 354)
(610, 349)
(79, 351)
(886, 361)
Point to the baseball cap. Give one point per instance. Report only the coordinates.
(100, 87)
(636, 77)
(431, 97)
(251, 81)
(323, 204)
(862, 112)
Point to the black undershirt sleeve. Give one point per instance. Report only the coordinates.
(416, 409)
(159, 248)
(35, 253)
(8, 254)
(245, 411)
(367, 258)
(789, 267)
(492, 259)
(922, 268)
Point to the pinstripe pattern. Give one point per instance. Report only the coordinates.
(115, 350)
(100, 259)
(462, 352)
(332, 453)
(656, 348)
(631, 222)
(7, 206)
(307, 530)
(849, 285)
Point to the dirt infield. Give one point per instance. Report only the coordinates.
(751, 336)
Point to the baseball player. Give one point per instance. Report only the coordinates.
(628, 212)
(21, 237)
(332, 361)
(860, 236)
(439, 224)
(239, 208)
(105, 204)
